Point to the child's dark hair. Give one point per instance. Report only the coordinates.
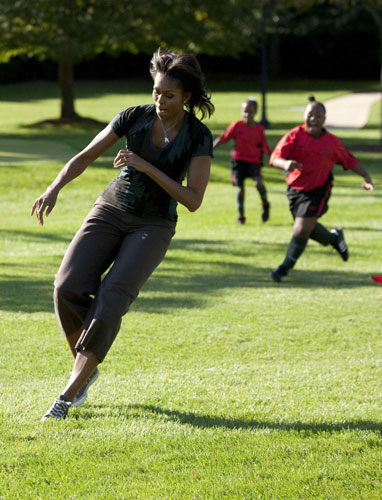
(312, 99)
(252, 101)
(186, 69)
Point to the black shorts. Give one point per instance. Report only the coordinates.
(243, 169)
(309, 203)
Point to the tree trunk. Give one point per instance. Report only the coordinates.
(66, 83)
(274, 57)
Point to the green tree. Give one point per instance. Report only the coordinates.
(374, 8)
(67, 32)
(70, 31)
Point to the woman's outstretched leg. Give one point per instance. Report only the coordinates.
(141, 250)
(88, 256)
(85, 365)
(72, 341)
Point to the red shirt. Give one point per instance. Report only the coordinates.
(317, 156)
(250, 142)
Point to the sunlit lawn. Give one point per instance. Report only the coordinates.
(221, 384)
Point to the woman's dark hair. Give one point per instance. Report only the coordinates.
(186, 69)
(312, 99)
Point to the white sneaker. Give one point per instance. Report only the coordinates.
(83, 393)
(58, 410)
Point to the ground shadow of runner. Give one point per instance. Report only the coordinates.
(210, 421)
(24, 294)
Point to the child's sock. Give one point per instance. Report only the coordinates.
(240, 203)
(295, 249)
(322, 235)
(263, 193)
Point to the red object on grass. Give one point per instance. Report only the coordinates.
(377, 279)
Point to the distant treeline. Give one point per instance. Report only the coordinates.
(336, 55)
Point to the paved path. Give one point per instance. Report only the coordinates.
(350, 111)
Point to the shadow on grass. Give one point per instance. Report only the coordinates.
(30, 92)
(357, 192)
(18, 150)
(36, 236)
(20, 295)
(364, 229)
(175, 286)
(196, 291)
(211, 422)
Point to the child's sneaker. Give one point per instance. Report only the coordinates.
(265, 212)
(241, 219)
(278, 274)
(340, 244)
(82, 394)
(58, 410)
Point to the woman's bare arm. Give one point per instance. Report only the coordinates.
(46, 202)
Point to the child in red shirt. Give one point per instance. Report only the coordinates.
(307, 154)
(250, 145)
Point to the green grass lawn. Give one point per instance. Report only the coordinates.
(221, 384)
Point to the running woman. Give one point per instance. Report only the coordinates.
(250, 145)
(307, 154)
(130, 227)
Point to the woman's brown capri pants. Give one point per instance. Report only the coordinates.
(133, 247)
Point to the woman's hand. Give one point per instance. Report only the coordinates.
(191, 196)
(126, 158)
(44, 203)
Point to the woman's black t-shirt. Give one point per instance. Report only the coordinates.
(135, 192)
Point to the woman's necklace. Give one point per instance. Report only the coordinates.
(165, 130)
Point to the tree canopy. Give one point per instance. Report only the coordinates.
(71, 31)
